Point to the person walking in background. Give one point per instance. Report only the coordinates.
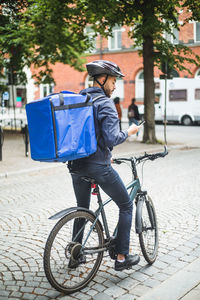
(133, 114)
(119, 110)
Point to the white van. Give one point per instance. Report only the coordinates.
(182, 100)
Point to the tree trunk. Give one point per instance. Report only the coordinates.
(149, 96)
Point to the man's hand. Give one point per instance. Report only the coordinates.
(133, 129)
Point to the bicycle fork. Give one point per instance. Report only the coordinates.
(142, 200)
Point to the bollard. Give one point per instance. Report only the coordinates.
(1, 142)
(26, 138)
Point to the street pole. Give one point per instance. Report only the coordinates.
(165, 108)
(1, 142)
(26, 139)
(13, 100)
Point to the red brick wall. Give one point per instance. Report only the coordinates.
(130, 62)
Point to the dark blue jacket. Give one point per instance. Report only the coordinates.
(106, 126)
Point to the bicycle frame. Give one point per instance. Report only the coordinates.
(134, 186)
(81, 236)
(135, 189)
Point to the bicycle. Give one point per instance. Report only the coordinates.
(75, 247)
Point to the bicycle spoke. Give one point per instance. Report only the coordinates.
(60, 248)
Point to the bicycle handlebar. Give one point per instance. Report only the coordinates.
(146, 156)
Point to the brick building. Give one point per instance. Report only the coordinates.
(119, 50)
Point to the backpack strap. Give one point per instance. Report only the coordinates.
(96, 98)
(93, 100)
(61, 98)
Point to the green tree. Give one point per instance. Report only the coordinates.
(12, 50)
(40, 33)
(43, 32)
(150, 21)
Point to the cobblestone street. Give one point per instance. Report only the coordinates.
(27, 200)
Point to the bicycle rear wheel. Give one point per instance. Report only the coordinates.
(148, 238)
(69, 266)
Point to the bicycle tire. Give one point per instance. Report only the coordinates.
(58, 252)
(148, 237)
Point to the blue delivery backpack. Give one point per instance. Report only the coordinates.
(61, 127)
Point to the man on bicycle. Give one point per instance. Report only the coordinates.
(98, 165)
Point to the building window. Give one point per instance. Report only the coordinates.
(197, 75)
(197, 94)
(173, 37)
(174, 73)
(141, 75)
(91, 35)
(178, 95)
(197, 32)
(46, 89)
(139, 86)
(88, 82)
(21, 98)
(119, 89)
(115, 41)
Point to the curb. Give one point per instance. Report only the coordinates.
(178, 285)
(30, 170)
(53, 165)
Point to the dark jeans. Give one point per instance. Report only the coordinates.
(110, 182)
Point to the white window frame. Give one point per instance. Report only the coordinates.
(49, 87)
(119, 89)
(114, 36)
(139, 86)
(94, 45)
(174, 32)
(197, 94)
(197, 74)
(195, 33)
(170, 37)
(88, 82)
(178, 95)
(90, 33)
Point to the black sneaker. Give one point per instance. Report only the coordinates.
(130, 261)
(74, 263)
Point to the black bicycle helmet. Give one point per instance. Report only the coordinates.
(99, 67)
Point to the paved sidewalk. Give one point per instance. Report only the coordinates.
(181, 285)
(13, 156)
(14, 160)
(194, 294)
(185, 284)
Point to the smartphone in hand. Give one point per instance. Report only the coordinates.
(141, 123)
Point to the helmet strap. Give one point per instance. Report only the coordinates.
(105, 79)
(101, 84)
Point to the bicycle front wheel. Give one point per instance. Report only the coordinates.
(148, 237)
(71, 256)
